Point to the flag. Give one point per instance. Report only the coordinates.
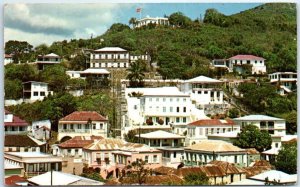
(138, 10)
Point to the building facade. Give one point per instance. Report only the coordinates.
(33, 91)
(14, 125)
(287, 81)
(149, 20)
(244, 63)
(44, 61)
(82, 123)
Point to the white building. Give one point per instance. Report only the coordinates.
(95, 72)
(134, 58)
(57, 178)
(201, 129)
(109, 57)
(286, 80)
(14, 125)
(82, 123)
(73, 74)
(159, 108)
(256, 64)
(34, 91)
(41, 129)
(44, 61)
(8, 59)
(149, 20)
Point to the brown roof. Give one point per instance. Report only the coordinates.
(84, 116)
(264, 163)
(153, 180)
(209, 170)
(16, 121)
(163, 170)
(105, 144)
(228, 168)
(12, 180)
(8, 56)
(19, 141)
(212, 122)
(214, 146)
(79, 141)
(251, 171)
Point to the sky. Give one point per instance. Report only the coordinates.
(46, 23)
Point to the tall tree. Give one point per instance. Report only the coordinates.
(252, 137)
(132, 21)
(286, 159)
(136, 73)
(138, 172)
(21, 50)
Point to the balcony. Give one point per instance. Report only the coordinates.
(74, 130)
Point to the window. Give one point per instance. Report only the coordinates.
(36, 93)
(65, 126)
(106, 56)
(211, 94)
(118, 56)
(184, 100)
(276, 145)
(171, 109)
(157, 99)
(101, 125)
(164, 99)
(271, 124)
(146, 159)
(42, 93)
(171, 99)
(164, 109)
(184, 109)
(248, 61)
(184, 119)
(135, 107)
(205, 92)
(154, 158)
(177, 109)
(235, 159)
(71, 126)
(174, 155)
(94, 126)
(150, 99)
(177, 119)
(79, 126)
(177, 99)
(263, 124)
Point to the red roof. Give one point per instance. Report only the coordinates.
(79, 141)
(7, 56)
(246, 57)
(12, 180)
(16, 121)
(212, 122)
(84, 116)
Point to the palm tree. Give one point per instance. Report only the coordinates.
(136, 73)
(132, 21)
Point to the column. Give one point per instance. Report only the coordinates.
(160, 143)
(172, 142)
(215, 96)
(149, 142)
(221, 96)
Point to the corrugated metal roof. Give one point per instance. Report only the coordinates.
(214, 146)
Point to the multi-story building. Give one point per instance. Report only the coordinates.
(109, 57)
(34, 163)
(33, 91)
(44, 61)
(14, 125)
(242, 64)
(170, 144)
(206, 93)
(201, 129)
(209, 150)
(149, 20)
(82, 123)
(164, 108)
(287, 81)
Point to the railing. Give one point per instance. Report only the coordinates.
(74, 130)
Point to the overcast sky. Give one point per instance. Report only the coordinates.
(46, 23)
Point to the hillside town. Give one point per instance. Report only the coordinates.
(144, 128)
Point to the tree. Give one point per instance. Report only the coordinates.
(286, 159)
(78, 63)
(132, 21)
(130, 136)
(56, 77)
(179, 19)
(21, 50)
(118, 27)
(92, 173)
(233, 113)
(252, 137)
(136, 73)
(22, 72)
(138, 173)
(196, 179)
(13, 89)
(42, 49)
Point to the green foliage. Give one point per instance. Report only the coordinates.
(286, 159)
(233, 113)
(130, 136)
(138, 172)
(291, 121)
(179, 19)
(21, 50)
(118, 27)
(76, 84)
(78, 63)
(92, 174)
(196, 179)
(251, 137)
(13, 89)
(56, 77)
(22, 72)
(136, 73)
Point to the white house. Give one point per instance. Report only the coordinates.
(33, 91)
(201, 129)
(109, 57)
(159, 108)
(255, 63)
(276, 127)
(44, 61)
(150, 20)
(82, 123)
(286, 80)
(208, 150)
(8, 59)
(73, 74)
(14, 125)
(41, 129)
